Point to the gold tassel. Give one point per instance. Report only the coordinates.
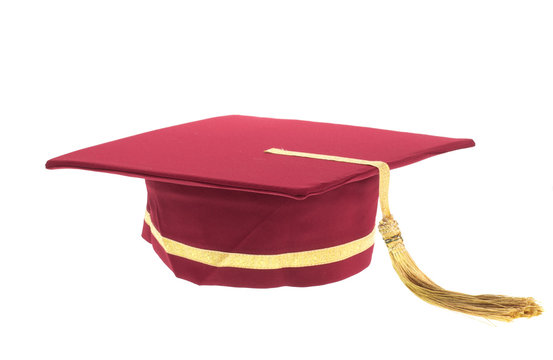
(494, 307)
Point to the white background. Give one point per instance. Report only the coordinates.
(77, 281)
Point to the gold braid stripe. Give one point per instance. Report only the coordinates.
(262, 262)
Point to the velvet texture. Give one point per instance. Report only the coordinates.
(255, 223)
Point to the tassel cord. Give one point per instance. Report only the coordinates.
(493, 307)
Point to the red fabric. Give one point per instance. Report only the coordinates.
(228, 151)
(211, 185)
(252, 223)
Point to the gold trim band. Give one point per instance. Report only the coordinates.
(262, 262)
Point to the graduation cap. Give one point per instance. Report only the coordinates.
(258, 202)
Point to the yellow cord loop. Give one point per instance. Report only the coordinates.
(495, 307)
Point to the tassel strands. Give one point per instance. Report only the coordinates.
(493, 307)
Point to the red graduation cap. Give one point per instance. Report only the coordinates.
(259, 202)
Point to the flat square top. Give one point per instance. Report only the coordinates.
(228, 152)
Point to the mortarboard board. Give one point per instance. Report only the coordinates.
(258, 202)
